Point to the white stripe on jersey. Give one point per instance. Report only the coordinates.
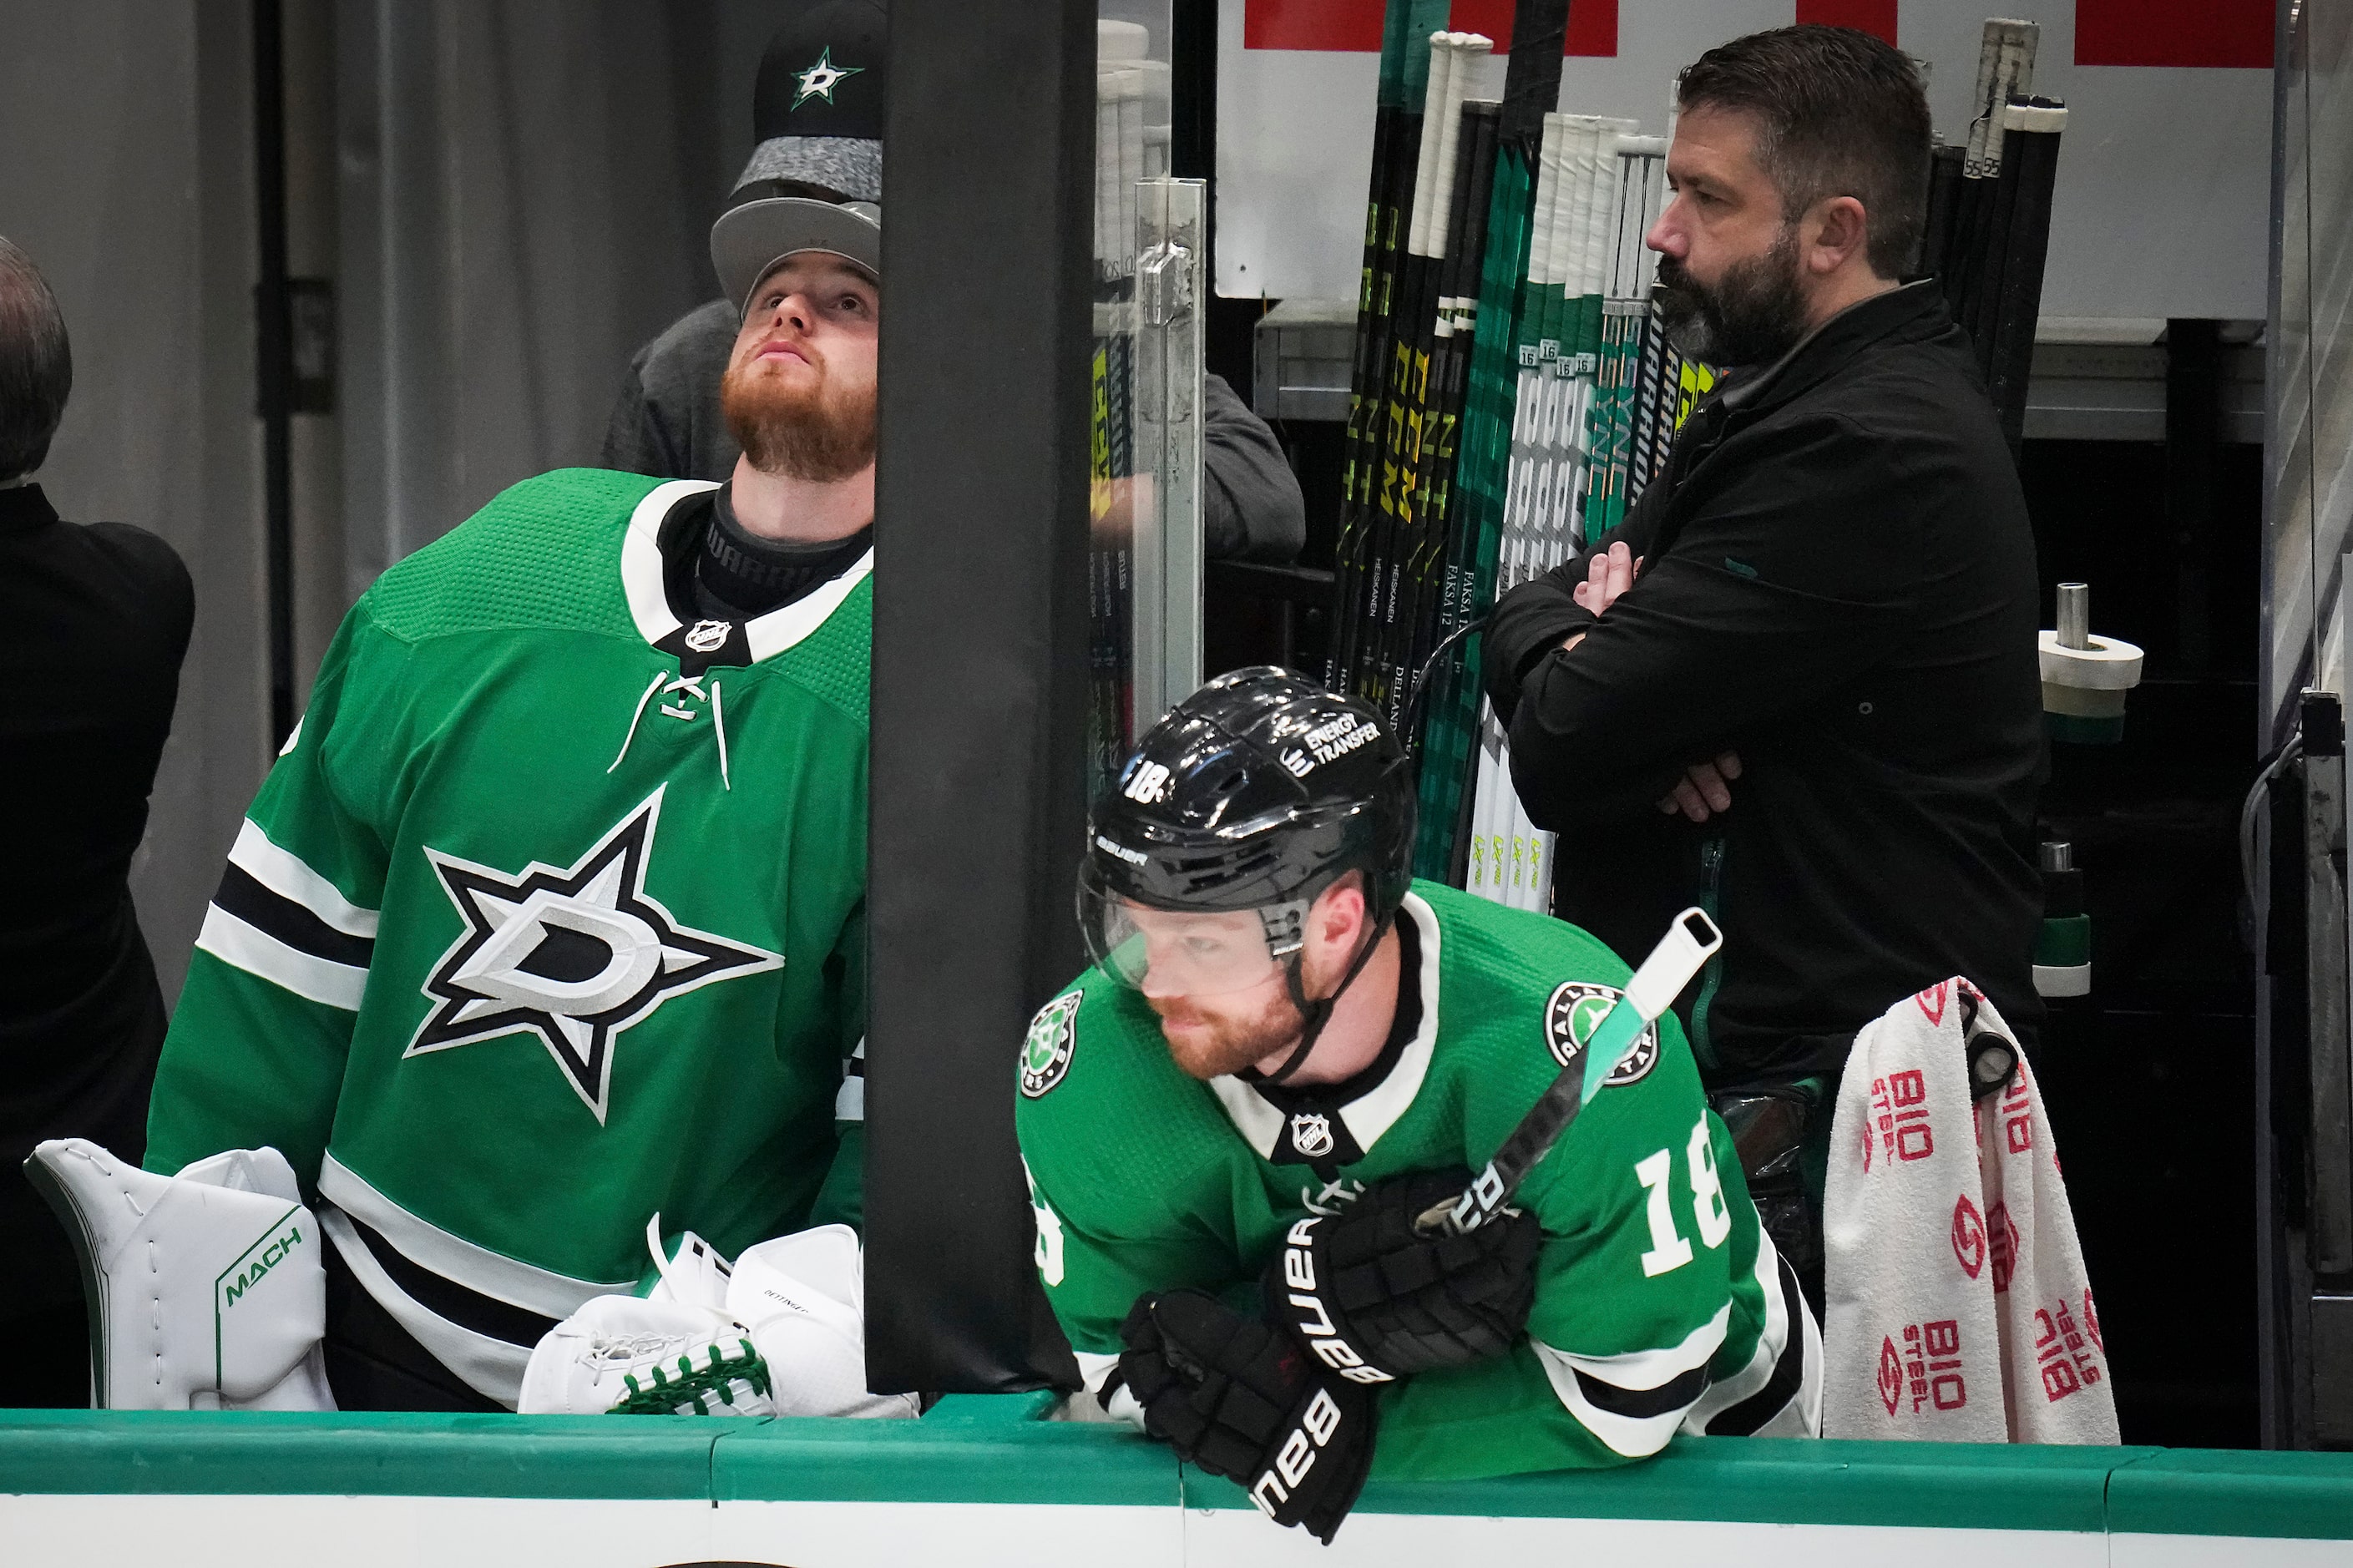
(491, 1368)
(1635, 1373)
(849, 1102)
(1094, 1368)
(453, 1256)
(1771, 1341)
(256, 952)
(287, 876)
(1121, 1405)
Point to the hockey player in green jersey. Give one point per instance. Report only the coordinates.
(550, 916)
(1286, 1051)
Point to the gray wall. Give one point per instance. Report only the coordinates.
(510, 196)
(526, 187)
(124, 156)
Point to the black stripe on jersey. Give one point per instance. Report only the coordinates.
(1641, 1403)
(444, 1297)
(1789, 1372)
(241, 895)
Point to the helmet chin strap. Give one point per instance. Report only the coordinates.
(1318, 1013)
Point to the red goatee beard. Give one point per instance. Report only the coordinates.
(1234, 1041)
(815, 434)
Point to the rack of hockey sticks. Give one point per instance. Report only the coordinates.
(1989, 225)
(1592, 395)
(1416, 330)
(1510, 394)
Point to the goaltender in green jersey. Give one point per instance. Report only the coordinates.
(1287, 1050)
(550, 918)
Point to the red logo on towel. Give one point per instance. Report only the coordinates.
(1968, 1236)
(2091, 1324)
(2005, 1245)
(1929, 1365)
(1931, 1001)
(1899, 1109)
(2017, 1113)
(2067, 1367)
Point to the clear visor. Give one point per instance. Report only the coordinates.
(1174, 952)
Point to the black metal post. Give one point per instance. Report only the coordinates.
(980, 666)
(274, 361)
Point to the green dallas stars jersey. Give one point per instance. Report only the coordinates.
(549, 918)
(1659, 1303)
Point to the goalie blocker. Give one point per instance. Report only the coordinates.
(206, 1290)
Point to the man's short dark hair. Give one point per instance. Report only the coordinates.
(1840, 113)
(36, 365)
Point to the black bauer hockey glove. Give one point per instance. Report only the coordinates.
(1238, 1398)
(1374, 1301)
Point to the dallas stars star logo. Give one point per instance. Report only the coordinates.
(819, 79)
(574, 956)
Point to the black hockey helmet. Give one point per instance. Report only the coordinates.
(1253, 795)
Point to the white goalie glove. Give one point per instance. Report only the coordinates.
(780, 1332)
(205, 1288)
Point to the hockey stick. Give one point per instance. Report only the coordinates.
(1690, 942)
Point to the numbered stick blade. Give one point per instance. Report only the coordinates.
(1691, 941)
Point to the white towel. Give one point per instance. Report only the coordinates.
(1958, 1309)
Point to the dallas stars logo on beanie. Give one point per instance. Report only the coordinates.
(817, 107)
(819, 79)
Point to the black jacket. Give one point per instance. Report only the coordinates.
(94, 622)
(666, 422)
(1839, 586)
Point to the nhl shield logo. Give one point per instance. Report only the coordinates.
(705, 636)
(1046, 1053)
(1311, 1135)
(1576, 1010)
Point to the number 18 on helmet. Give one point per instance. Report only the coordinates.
(1252, 797)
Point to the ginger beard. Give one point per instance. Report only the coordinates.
(795, 421)
(1215, 1036)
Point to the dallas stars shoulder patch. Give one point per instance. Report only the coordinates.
(1046, 1053)
(574, 956)
(1575, 1011)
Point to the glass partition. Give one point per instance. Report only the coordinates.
(1143, 585)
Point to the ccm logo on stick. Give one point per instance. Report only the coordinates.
(1315, 1322)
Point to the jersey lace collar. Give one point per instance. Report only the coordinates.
(1368, 1112)
(642, 579)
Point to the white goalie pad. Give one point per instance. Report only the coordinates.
(205, 1289)
(781, 1332)
(803, 1297)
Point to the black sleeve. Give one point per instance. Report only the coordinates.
(1540, 615)
(1793, 580)
(166, 594)
(1251, 505)
(1530, 621)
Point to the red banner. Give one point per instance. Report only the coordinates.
(1355, 24)
(2174, 33)
(1875, 16)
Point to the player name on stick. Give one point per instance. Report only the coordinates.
(1691, 941)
